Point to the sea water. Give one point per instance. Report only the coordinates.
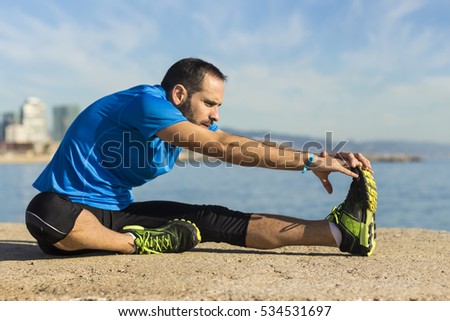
(409, 194)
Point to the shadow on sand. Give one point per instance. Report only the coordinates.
(14, 250)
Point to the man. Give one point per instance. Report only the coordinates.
(129, 138)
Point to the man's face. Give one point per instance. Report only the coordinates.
(202, 108)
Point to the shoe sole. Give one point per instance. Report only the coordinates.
(367, 235)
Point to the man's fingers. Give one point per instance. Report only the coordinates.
(323, 176)
(349, 172)
(353, 160)
(365, 163)
(326, 183)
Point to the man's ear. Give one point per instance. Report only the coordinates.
(179, 94)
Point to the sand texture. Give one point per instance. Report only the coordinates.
(409, 264)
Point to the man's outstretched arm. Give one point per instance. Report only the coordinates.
(233, 149)
(244, 151)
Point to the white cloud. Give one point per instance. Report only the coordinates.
(397, 10)
(395, 44)
(290, 69)
(86, 56)
(282, 33)
(239, 29)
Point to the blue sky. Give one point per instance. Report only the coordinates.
(365, 70)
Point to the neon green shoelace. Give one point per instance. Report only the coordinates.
(155, 243)
(335, 213)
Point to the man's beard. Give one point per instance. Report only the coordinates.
(186, 110)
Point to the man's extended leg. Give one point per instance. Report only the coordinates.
(351, 225)
(272, 231)
(264, 232)
(220, 224)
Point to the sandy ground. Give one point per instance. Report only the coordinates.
(409, 264)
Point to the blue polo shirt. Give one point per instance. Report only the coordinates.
(112, 147)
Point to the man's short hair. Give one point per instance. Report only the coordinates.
(190, 73)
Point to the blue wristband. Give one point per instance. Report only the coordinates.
(310, 161)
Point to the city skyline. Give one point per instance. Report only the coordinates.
(364, 70)
(33, 122)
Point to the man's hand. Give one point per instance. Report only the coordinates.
(354, 160)
(342, 162)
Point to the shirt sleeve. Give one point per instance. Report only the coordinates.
(150, 114)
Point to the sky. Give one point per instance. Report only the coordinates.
(362, 69)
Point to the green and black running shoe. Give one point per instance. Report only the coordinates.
(355, 217)
(174, 237)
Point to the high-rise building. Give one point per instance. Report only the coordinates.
(34, 120)
(8, 119)
(63, 116)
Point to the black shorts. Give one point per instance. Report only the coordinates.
(50, 217)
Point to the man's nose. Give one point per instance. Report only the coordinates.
(214, 115)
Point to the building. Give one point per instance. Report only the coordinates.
(31, 131)
(16, 134)
(63, 116)
(8, 119)
(34, 120)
